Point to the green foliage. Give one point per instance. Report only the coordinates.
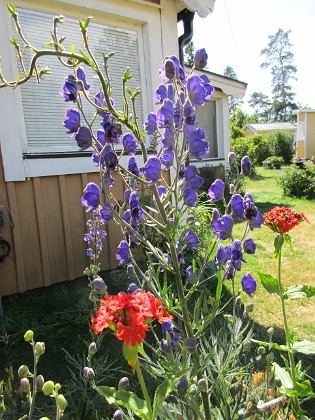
(282, 144)
(298, 182)
(273, 162)
(256, 147)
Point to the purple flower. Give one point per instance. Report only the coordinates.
(221, 257)
(69, 91)
(232, 158)
(91, 196)
(190, 197)
(215, 215)
(189, 113)
(123, 252)
(84, 138)
(222, 227)
(167, 74)
(230, 271)
(196, 90)
(191, 274)
(191, 239)
(129, 143)
(245, 165)
(174, 334)
(248, 284)
(208, 87)
(72, 120)
(106, 213)
(249, 246)
(257, 221)
(197, 146)
(201, 58)
(190, 344)
(237, 205)
(166, 347)
(152, 170)
(133, 166)
(182, 385)
(162, 93)
(216, 191)
(165, 114)
(167, 158)
(162, 192)
(111, 160)
(133, 288)
(135, 206)
(82, 76)
(193, 180)
(237, 255)
(151, 125)
(99, 285)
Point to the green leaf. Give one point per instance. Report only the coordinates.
(127, 74)
(275, 345)
(161, 393)
(72, 48)
(283, 375)
(14, 42)
(279, 239)
(11, 9)
(299, 292)
(269, 282)
(302, 389)
(88, 59)
(287, 238)
(126, 399)
(85, 24)
(305, 347)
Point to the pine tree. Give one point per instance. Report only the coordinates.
(189, 54)
(262, 106)
(233, 102)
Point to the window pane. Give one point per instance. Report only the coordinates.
(43, 107)
(206, 119)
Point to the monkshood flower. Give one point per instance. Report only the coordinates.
(230, 271)
(166, 347)
(106, 213)
(99, 285)
(191, 239)
(129, 143)
(133, 166)
(191, 344)
(162, 93)
(112, 130)
(123, 252)
(190, 197)
(72, 120)
(135, 206)
(246, 165)
(167, 141)
(237, 255)
(249, 246)
(133, 288)
(151, 124)
(84, 138)
(222, 227)
(232, 158)
(167, 158)
(200, 58)
(162, 192)
(191, 275)
(179, 72)
(192, 179)
(237, 206)
(248, 284)
(216, 191)
(69, 91)
(182, 385)
(215, 215)
(197, 146)
(207, 85)
(165, 114)
(82, 76)
(196, 90)
(221, 256)
(152, 170)
(110, 160)
(91, 196)
(189, 113)
(100, 101)
(174, 334)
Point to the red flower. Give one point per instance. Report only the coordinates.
(128, 315)
(282, 219)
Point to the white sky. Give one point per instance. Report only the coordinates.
(238, 30)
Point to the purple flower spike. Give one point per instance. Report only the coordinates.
(69, 91)
(91, 196)
(191, 239)
(152, 170)
(249, 246)
(72, 120)
(129, 143)
(245, 165)
(222, 227)
(216, 191)
(123, 252)
(84, 138)
(201, 58)
(182, 385)
(151, 125)
(248, 284)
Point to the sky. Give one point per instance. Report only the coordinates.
(237, 30)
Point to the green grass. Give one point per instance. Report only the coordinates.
(298, 267)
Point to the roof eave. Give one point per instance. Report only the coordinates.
(202, 7)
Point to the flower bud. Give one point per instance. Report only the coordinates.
(238, 301)
(247, 345)
(61, 402)
(261, 350)
(190, 218)
(166, 347)
(88, 374)
(131, 270)
(40, 382)
(28, 336)
(232, 188)
(57, 387)
(132, 288)
(203, 385)
(231, 158)
(123, 383)
(270, 331)
(190, 344)
(99, 285)
(201, 58)
(25, 385)
(23, 371)
(246, 165)
(48, 388)
(170, 69)
(249, 246)
(118, 415)
(92, 348)
(39, 348)
(278, 382)
(182, 385)
(250, 307)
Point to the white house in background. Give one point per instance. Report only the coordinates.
(305, 137)
(42, 173)
(263, 129)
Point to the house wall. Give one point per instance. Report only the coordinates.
(248, 132)
(310, 148)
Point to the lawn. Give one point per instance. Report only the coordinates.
(298, 266)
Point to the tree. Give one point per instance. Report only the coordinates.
(280, 59)
(189, 54)
(233, 102)
(262, 106)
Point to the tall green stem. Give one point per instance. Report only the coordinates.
(144, 389)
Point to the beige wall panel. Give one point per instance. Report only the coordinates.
(300, 149)
(310, 135)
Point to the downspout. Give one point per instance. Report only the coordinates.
(187, 17)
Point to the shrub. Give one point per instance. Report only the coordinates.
(256, 147)
(273, 162)
(297, 182)
(282, 144)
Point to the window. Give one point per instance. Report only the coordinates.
(207, 119)
(43, 108)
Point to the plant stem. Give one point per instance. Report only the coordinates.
(32, 404)
(144, 389)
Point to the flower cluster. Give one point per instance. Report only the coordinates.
(281, 219)
(129, 315)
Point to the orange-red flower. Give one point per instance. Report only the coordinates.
(128, 315)
(282, 219)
